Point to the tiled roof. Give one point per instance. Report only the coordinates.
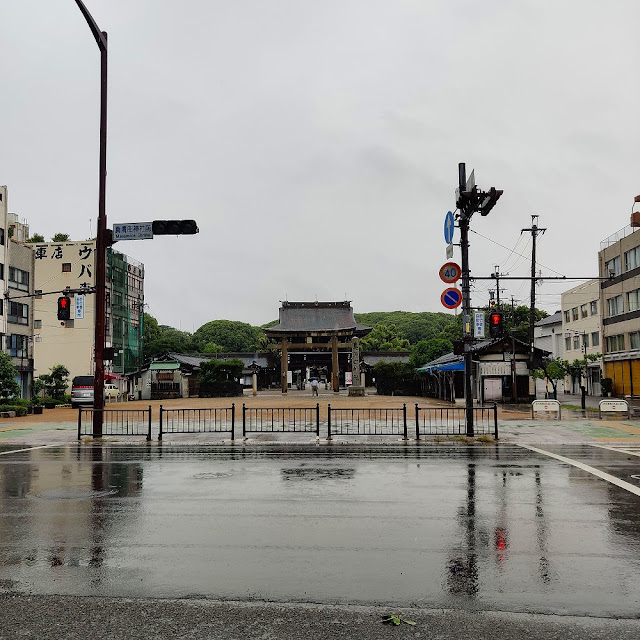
(320, 317)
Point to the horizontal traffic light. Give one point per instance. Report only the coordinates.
(174, 227)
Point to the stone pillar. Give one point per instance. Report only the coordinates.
(356, 388)
(255, 383)
(355, 362)
(284, 366)
(334, 364)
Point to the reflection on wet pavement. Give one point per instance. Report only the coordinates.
(451, 526)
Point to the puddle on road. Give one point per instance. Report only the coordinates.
(316, 473)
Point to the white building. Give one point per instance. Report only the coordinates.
(582, 331)
(547, 335)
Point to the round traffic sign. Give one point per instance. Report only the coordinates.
(450, 272)
(449, 227)
(451, 298)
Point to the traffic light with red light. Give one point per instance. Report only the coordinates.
(496, 329)
(64, 308)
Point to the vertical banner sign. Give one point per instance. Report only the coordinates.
(79, 307)
(478, 324)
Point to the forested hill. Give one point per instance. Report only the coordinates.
(392, 330)
(412, 326)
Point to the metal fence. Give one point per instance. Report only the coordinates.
(116, 422)
(367, 422)
(431, 421)
(220, 420)
(281, 420)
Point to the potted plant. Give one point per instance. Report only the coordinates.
(607, 386)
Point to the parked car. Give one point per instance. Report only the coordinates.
(82, 391)
(111, 391)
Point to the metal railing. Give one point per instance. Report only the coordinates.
(281, 420)
(116, 422)
(431, 421)
(219, 420)
(367, 422)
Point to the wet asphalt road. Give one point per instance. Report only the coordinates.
(460, 528)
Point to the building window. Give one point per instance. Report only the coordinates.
(612, 267)
(574, 313)
(634, 340)
(1, 271)
(583, 311)
(576, 342)
(18, 279)
(567, 342)
(1, 236)
(614, 306)
(595, 339)
(18, 313)
(594, 308)
(17, 346)
(567, 316)
(632, 259)
(37, 324)
(633, 300)
(615, 343)
(66, 267)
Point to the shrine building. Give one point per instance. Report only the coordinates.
(319, 340)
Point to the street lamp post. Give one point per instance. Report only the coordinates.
(101, 240)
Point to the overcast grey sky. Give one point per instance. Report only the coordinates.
(317, 143)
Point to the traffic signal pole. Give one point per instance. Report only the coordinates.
(469, 199)
(463, 222)
(101, 239)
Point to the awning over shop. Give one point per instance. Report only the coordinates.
(451, 366)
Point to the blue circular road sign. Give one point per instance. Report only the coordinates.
(451, 298)
(448, 227)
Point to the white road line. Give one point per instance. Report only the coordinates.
(618, 449)
(44, 446)
(585, 467)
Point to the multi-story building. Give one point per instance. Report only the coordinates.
(547, 335)
(4, 210)
(581, 331)
(619, 267)
(19, 313)
(70, 267)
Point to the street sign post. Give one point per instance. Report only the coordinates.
(450, 272)
(449, 227)
(449, 251)
(451, 298)
(132, 231)
(478, 324)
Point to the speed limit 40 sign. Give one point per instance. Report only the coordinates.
(450, 272)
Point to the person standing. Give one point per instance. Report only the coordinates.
(314, 387)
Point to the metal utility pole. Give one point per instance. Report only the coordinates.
(469, 200)
(101, 238)
(532, 309)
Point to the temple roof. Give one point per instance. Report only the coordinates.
(298, 318)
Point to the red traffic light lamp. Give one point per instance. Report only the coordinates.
(64, 308)
(495, 324)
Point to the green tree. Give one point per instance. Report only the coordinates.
(9, 387)
(384, 338)
(56, 381)
(220, 370)
(36, 237)
(230, 335)
(428, 350)
(552, 370)
(60, 237)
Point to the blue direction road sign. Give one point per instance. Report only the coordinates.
(132, 231)
(451, 298)
(448, 227)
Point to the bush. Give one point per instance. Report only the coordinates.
(19, 402)
(20, 411)
(227, 389)
(56, 401)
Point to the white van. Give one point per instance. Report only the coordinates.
(82, 391)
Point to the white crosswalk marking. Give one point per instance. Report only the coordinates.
(622, 448)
